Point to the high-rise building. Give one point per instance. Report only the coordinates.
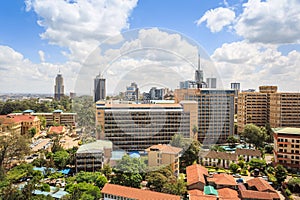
(59, 87)
(215, 112)
(199, 74)
(132, 92)
(99, 88)
(187, 84)
(211, 82)
(135, 127)
(236, 87)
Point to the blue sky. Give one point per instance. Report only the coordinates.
(254, 42)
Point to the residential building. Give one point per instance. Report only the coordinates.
(285, 110)
(135, 127)
(59, 87)
(223, 180)
(163, 155)
(236, 87)
(215, 112)
(9, 126)
(92, 156)
(211, 82)
(115, 192)
(27, 122)
(217, 159)
(191, 109)
(59, 117)
(99, 88)
(287, 147)
(196, 177)
(248, 154)
(132, 92)
(257, 188)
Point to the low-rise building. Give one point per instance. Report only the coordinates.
(27, 122)
(112, 192)
(196, 177)
(217, 159)
(162, 154)
(92, 156)
(287, 147)
(248, 154)
(219, 181)
(9, 126)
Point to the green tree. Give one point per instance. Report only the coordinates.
(234, 167)
(179, 141)
(217, 148)
(191, 155)
(255, 135)
(106, 170)
(232, 141)
(280, 174)
(61, 159)
(32, 131)
(156, 181)
(256, 163)
(294, 184)
(83, 190)
(175, 186)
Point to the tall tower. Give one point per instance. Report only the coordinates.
(59, 87)
(199, 74)
(99, 88)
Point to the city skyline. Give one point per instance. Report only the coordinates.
(246, 41)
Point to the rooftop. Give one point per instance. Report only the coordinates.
(260, 184)
(248, 152)
(227, 193)
(198, 194)
(251, 194)
(164, 148)
(287, 130)
(222, 179)
(98, 145)
(195, 173)
(135, 193)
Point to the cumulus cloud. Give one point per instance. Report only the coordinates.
(80, 25)
(42, 55)
(251, 64)
(217, 18)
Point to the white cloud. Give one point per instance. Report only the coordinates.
(217, 19)
(80, 25)
(271, 21)
(42, 55)
(253, 64)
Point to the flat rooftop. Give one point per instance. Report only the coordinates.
(287, 130)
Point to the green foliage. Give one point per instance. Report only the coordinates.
(175, 186)
(268, 149)
(22, 171)
(45, 187)
(61, 159)
(232, 140)
(106, 170)
(288, 192)
(255, 135)
(32, 131)
(91, 177)
(294, 184)
(191, 155)
(39, 162)
(217, 148)
(179, 141)
(256, 163)
(83, 190)
(280, 173)
(234, 167)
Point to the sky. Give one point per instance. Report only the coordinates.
(150, 42)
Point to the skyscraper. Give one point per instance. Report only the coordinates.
(199, 74)
(99, 88)
(59, 87)
(211, 82)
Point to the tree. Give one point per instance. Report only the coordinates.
(83, 191)
(156, 180)
(128, 172)
(175, 186)
(280, 174)
(232, 141)
(106, 170)
(12, 146)
(217, 148)
(179, 141)
(191, 155)
(61, 159)
(294, 184)
(234, 167)
(32, 131)
(254, 135)
(256, 163)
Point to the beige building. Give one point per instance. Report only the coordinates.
(59, 117)
(215, 112)
(135, 127)
(163, 155)
(8, 126)
(27, 122)
(279, 109)
(191, 108)
(287, 147)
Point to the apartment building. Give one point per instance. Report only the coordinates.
(92, 156)
(26, 121)
(215, 112)
(8, 126)
(285, 110)
(59, 117)
(163, 155)
(135, 127)
(287, 147)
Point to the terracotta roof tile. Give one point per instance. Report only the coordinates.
(165, 149)
(260, 184)
(198, 194)
(250, 194)
(222, 179)
(23, 118)
(56, 129)
(195, 173)
(227, 193)
(135, 193)
(248, 152)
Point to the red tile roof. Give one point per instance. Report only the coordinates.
(165, 149)
(222, 179)
(198, 194)
(195, 173)
(260, 184)
(250, 194)
(5, 120)
(57, 129)
(135, 193)
(227, 193)
(248, 152)
(23, 118)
